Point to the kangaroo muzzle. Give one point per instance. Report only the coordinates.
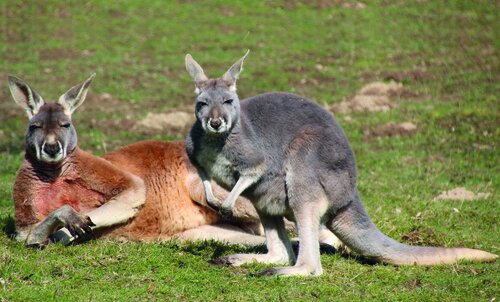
(217, 125)
(51, 149)
(51, 152)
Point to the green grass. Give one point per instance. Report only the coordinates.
(446, 52)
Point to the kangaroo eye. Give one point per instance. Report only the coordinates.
(229, 101)
(200, 105)
(35, 126)
(65, 125)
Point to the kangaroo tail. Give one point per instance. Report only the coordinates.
(354, 227)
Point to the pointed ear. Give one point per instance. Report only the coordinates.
(25, 96)
(75, 96)
(232, 74)
(196, 72)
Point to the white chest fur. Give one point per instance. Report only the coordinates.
(217, 166)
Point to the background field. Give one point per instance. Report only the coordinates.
(444, 53)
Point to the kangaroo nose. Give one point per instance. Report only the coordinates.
(215, 123)
(51, 149)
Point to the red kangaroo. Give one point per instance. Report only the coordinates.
(144, 191)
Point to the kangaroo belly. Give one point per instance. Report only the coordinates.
(51, 196)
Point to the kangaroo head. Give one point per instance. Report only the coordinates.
(50, 136)
(217, 104)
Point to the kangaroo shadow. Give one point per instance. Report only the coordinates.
(8, 226)
(220, 249)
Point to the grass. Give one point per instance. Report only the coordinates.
(444, 52)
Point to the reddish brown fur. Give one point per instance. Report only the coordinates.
(169, 207)
(172, 187)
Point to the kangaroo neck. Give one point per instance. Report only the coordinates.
(48, 172)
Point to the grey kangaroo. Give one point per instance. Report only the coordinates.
(291, 159)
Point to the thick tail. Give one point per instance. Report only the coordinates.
(353, 226)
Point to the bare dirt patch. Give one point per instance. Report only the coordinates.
(419, 236)
(171, 123)
(373, 97)
(460, 194)
(380, 88)
(415, 75)
(392, 129)
(413, 284)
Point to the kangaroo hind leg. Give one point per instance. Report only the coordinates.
(277, 242)
(225, 233)
(308, 203)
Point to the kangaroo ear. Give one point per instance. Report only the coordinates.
(196, 72)
(232, 74)
(75, 96)
(25, 96)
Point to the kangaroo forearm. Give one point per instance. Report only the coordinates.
(211, 199)
(241, 185)
(41, 231)
(119, 209)
(243, 210)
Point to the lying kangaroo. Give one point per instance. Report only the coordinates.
(144, 191)
(290, 158)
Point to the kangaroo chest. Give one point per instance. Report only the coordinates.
(51, 196)
(218, 167)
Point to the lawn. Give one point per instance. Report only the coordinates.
(445, 54)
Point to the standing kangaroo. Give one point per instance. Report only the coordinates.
(291, 159)
(144, 191)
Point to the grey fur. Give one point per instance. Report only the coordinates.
(291, 159)
(49, 127)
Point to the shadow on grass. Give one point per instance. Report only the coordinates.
(214, 250)
(8, 226)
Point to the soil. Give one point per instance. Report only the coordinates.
(460, 194)
(373, 97)
(425, 236)
(392, 129)
(416, 75)
(170, 123)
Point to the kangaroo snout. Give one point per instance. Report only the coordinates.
(51, 152)
(215, 123)
(52, 149)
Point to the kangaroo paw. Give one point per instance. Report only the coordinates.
(40, 245)
(78, 226)
(301, 270)
(226, 213)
